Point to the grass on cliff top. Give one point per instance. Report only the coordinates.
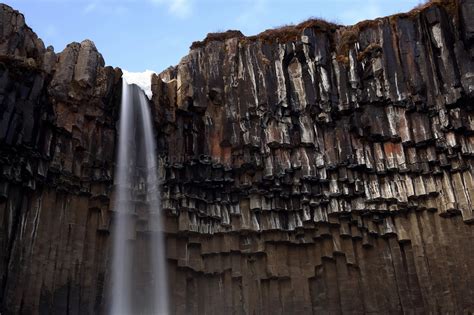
(281, 34)
(450, 5)
(291, 32)
(219, 37)
(348, 36)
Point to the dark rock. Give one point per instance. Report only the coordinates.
(312, 168)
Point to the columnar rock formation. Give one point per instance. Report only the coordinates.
(309, 169)
(57, 133)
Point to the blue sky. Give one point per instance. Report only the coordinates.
(153, 34)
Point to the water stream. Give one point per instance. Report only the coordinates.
(137, 186)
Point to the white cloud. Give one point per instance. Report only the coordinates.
(142, 79)
(179, 8)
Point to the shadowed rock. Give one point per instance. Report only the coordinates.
(310, 169)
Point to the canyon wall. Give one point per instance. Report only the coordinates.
(57, 134)
(314, 168)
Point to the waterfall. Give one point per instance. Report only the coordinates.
(137, 183)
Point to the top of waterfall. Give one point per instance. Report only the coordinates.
(142, 79)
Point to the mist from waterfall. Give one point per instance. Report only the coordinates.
(137, 183)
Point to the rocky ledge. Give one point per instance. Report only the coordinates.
(316, 168)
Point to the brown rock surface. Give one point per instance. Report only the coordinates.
(323, 168)
(311, 169)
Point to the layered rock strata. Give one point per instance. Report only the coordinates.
(309, 169)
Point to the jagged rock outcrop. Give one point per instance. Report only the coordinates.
(309, 169)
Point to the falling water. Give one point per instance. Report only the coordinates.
(121, 258)
(137, 180)
(160, 281)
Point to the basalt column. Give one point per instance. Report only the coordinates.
(57, 141)
(323, 169)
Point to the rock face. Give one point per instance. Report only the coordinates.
(309, 169)
(323, 169)
(57, 138)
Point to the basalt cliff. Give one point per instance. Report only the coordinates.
(315, 168)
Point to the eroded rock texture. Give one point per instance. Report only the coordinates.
(311, 169)
(57, 139)
(323, 169)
